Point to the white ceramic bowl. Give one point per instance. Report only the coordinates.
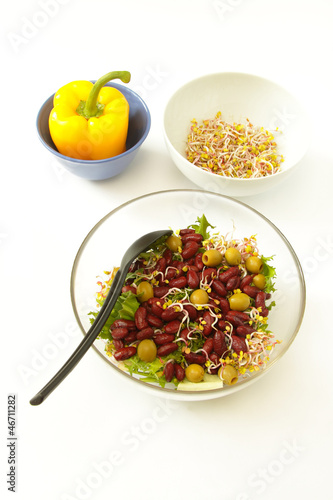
(238, 96)
(100, 251)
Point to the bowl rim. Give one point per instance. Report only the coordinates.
(104, 160)
(204, 394)
(211, 175)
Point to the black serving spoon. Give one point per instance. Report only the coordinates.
(139, 246)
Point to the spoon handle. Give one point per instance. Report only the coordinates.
(87, 340)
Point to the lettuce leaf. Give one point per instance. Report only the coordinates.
(125, 308)
(270, 274)
(152, 371)
(202, 226)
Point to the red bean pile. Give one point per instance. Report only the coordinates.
(220, 330)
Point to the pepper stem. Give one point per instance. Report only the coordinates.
(91, 107)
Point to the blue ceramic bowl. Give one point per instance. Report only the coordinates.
(138, 129)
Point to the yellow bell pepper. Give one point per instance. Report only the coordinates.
(90, 121)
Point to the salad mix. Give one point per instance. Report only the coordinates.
(194, 306)
(241, 151)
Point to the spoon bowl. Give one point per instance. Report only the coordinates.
(140, 245)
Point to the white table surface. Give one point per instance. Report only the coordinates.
(95, 437)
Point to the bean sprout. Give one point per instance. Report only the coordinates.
(233, 150)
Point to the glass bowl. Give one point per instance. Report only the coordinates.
(104, 246)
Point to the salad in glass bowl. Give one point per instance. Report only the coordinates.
(193, 310)
(204, 312)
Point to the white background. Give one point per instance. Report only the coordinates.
(95, 437)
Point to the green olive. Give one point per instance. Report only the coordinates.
(212, 258)
(239, 301)
(199, 296)
(254, 264)
(233, 256)
(147, 350)
(144, 291)
(228, 374)
(194, 373)
(173, 242)
(259, 280)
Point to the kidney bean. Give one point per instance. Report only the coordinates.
(181, 316)
(189, 262)
(221, 325)
(156, 306)
(167, 254)
(190, 249)
(131, 337)
(184, 333)
(260, 302)
(232, 283)
(172, 326)
(229, 273)
(161, 265)
(195, 357)
(219, 343)
(140, 318)
(192, 237)
(170, 273)
(215, 297)
(208, 345)
(213, 301)
(163, 338)
(154, 321)
(208, 274)
(179, 282)
(178, 264)
(260, 299)
(264, 312)
(251, 290)
(238, 344)
(192, 312)
(169, 371)
(244, 330)
(126, 323)
(152, 300)
(192, 267)
(145, 333)
(234, 320)
(160, 291)
(166, 349)
(170, 313)
(247, 280)
(128, 288)
(224, 305)
(193, 279)
(179, 372)
(240, 314)
(215, 358)
(118, 344)
(207, 323)
(186, 230)
(219, 288)
(119, 333)
(198, 261)
(125, 353)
